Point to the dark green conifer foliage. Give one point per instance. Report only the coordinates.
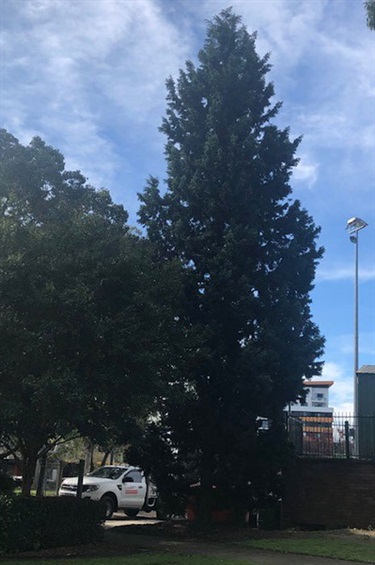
(370, 13)
(249, 252)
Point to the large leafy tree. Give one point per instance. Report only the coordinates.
(87, 322)
(249, 254)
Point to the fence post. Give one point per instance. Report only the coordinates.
(347, 444)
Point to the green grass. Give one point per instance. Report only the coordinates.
(18, 491)
(320, 547)
(157, 559)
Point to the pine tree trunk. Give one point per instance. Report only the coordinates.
(205, 494)
(240, 506)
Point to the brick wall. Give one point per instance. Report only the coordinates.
(329, 493)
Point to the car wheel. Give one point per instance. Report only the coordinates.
(110, 506)
(131, 512)
(149, 507)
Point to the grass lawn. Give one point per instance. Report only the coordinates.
(160, 559)
(339, 547)
(351, 545)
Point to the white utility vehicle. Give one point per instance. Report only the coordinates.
(118, 486)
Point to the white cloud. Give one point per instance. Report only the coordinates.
(73, 70)
(285, 28)
(306, 171)
(88, 76)
(349, 52)
(343, 272)
(341, 392)
(337, 128)
(343, 344)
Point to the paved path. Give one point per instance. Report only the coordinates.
(248, 555)
(119, 518)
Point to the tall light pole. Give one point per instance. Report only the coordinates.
(354, 225)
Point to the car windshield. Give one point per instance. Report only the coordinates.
(108, 472)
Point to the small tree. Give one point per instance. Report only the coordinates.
(249, 254)
(86, 318)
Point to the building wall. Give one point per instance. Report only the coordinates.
(329, 494)
(366, 411)
(366, 394)
(317, 398)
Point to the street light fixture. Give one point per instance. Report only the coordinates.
(354, 225)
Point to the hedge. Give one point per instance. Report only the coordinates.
(37, 523)
(7, 484)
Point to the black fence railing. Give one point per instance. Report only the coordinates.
(333, 435)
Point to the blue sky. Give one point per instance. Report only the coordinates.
(88, 76)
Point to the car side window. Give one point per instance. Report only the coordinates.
(134, 476)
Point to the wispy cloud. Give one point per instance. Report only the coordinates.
(89, 78)
(72, 70)
(337, 128)
(341, 393)
(338, 273)
(343, 344)
(306, 171)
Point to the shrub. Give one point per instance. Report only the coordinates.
(36, 523)
(7, 484)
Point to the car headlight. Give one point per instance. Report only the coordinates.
(90, 488)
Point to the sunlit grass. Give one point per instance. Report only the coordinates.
(157, 559)
(320, 546)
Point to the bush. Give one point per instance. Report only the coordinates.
(7, 484)
(36, 523)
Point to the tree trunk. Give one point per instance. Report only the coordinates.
(89, 457)
(42, 474)
(105, 457)
(241, 507)
(204, 499)
(28, 466)
(59, 476)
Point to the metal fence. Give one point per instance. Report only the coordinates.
(342, 436)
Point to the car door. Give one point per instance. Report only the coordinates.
(133, 489)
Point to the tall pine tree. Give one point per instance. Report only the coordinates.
(249, 252)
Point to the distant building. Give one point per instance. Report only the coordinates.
(366, 390)
(316, 418)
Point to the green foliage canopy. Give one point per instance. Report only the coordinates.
(87, 322)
